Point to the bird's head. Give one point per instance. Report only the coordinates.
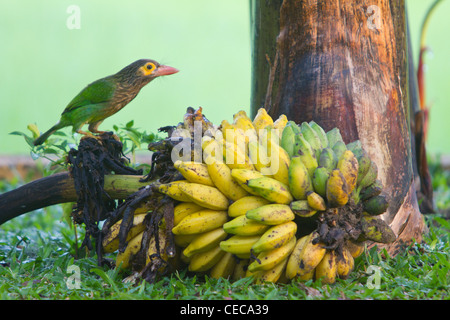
(145, 70)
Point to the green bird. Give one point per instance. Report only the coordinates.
(104, 97)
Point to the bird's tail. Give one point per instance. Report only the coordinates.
(41, 139)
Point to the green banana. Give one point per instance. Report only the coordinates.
(370, 176)
(334, 135)
(371, 191)
(363, 165)
(319, 180)
(320, 133)
(288, 139)
(339, 148)
(312, 137)
(299, 179)
(303, 149)
(375, 229)
(271, 214)
(376, 205)
(328, 159)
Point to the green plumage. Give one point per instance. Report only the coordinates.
(104, 97)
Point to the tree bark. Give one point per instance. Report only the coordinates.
(344, 64)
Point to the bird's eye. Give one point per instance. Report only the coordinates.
(149, 66)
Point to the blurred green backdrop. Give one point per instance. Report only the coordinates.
(44, 64)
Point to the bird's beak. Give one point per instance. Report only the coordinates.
(164, 71)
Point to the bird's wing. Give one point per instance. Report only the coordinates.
(97, 92)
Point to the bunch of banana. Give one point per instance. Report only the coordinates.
(274, 200)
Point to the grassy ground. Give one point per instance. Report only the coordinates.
(37, 261)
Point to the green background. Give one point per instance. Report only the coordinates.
(44, 64)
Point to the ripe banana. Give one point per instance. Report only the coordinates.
(302, 209)
(235, 157)
(259, 157)
(272, 275)
(224, 268)
(345, 264)
(204, 261)
(212, 147)
(205, 241)
(183, 209)
(201, 221)
(240, 269)
(262, 120)
(110, 242)
(270, 189)
(315, 201)
(275, 237)
(220, 174)
(319, 180)
(355, 249)
(172, 189)
(337, 189)
(194, 172)
(242, 176)
(241, 206)
(348, 165)
(239, 245)
(133, 246)
(268, 259)
(326, 270)
(271, 214)
(183, 240)
(205, 196)
(294, 259)
(279, 164)
(299, 179)
(243, 226)
(281, 122)
(311, 254)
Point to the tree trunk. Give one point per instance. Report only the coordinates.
(344, 64)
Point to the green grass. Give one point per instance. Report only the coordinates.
(37, 251)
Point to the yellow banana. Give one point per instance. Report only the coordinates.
(242, 121)
(110, 242)
(270, 189)
(220, 174)
(293, 263)
(275, 237)
(307, 154)
(242, 176)
(345, 263)
(262, 120)
(204, 261)
(240, 269)
(337, 189)
(205, 196)
(279, 164)
(281, 122)
(183, 240)
(348, 165)
(133, 247)
(212, 148)
(205, 241)
(326, 270)
(311, 255)
(195, 172)
(172, 189)
(271, 214)
(355, 249)
(183, 209)
(152, 250)
(302, 209)
(239, 245)
(315, 201)
(259, 157)
(234, 135)
(299, 179)
(244, 226)
(224, 268)
(235, 157)
(241, 206)
(272, 275)
(201, 221)
(267, 260)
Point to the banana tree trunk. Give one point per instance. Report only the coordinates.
(343, 64)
